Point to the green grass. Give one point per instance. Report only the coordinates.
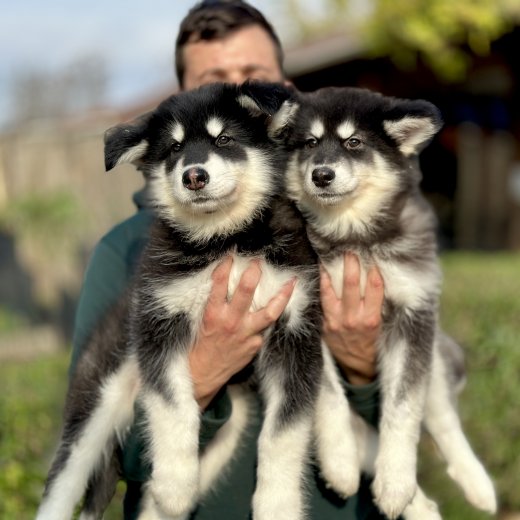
(480, 308)
(10, 320)
(30, 413)
(31, 405)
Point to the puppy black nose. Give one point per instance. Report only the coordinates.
(322, 176)
(195, 178)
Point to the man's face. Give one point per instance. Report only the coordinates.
(248, 53)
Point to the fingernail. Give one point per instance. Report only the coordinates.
(291, 283)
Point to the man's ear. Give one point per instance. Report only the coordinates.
(126, 142)
(276, 100)
(412, 124)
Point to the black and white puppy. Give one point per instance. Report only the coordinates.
(354, 176)
(217, 184)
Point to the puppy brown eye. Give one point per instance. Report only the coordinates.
(312, 142)
(353, 142)
(223, 140)
(176, 146)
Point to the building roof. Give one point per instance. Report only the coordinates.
(317, 54)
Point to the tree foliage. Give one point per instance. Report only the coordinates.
(445, 34)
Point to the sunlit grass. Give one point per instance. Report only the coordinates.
(481, 309)
(30, 416)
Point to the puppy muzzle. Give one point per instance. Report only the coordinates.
(195, 178)
(323, 176)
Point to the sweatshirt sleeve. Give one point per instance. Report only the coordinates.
(105, 279)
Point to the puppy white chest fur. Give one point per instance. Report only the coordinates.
(403, 283)
(190, 294)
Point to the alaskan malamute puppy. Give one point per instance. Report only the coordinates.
(217, 183)
(354, 175)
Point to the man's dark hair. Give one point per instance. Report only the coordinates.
(216, 19)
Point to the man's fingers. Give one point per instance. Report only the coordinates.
(273, 310)
(328, 296)
(220, 278)
(240, 303)
(245, 291)
(277, 304)
(374, 296)
(351, 283)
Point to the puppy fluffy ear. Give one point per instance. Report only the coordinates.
(412, 124)
(261, 98)
(269, 99)
(126, 142)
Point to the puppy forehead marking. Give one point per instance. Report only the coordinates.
(177, 132)
(317, 128)
(214, 126)
(346, 129)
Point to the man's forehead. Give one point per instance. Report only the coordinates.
(252, 38)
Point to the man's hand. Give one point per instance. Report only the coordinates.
(352, 323)
(231, 335)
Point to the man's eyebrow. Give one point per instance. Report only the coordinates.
(246, 68)
(214, 71)
(254, 66)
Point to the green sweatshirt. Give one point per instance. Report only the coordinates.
(107, 276)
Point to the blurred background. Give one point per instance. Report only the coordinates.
(68, 73)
